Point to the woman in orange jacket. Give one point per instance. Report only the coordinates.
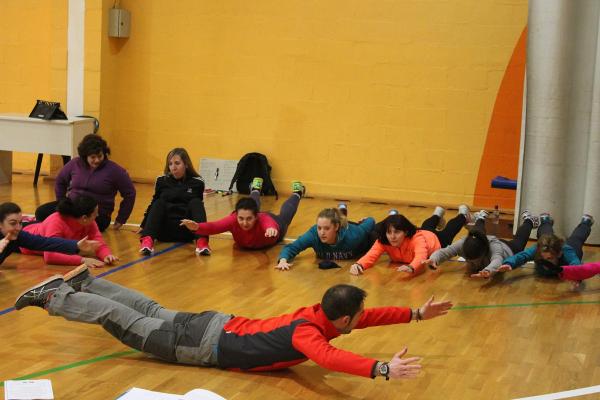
(404, 243)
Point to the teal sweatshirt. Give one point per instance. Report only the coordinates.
(352, 242)
(568, 257)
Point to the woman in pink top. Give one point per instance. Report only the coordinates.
(406, 244)
(75, 219)
(250, 228)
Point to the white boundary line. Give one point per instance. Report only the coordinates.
(565, 394)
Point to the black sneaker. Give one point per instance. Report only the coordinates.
(39, 294)
(75, 277)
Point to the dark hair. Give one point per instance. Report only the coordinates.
(8, 208)
(399, 222)
(92, 144)
(341, 300)
(190, 171)
(78, 207)
(247, 203)
(476, 245)
(548, 243)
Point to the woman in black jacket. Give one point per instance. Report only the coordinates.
(178, 194)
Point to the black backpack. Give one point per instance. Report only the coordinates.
(250, 166)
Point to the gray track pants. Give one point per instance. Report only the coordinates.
(141, 323)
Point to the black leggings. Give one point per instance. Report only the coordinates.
(577, 238)
(519, 240)
(445, 236)
(163, 220)
(286, 213)
(44, 211)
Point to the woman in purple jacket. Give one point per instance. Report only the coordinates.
(93, 174)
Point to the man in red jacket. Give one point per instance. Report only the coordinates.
(214, 339)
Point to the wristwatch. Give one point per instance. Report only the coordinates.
(384, 370)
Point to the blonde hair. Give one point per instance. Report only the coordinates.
(335, 216)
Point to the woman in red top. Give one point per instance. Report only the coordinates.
(75, 219)
(404, 243)
(250, 228)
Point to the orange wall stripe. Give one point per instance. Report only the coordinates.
(501, 152)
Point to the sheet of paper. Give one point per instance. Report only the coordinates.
(143, 394)
(27, 390)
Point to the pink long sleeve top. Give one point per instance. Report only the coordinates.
(251, 239)
(57, 225)
(411, 251)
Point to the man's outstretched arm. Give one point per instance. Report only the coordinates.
(397, 315)
(308, 340)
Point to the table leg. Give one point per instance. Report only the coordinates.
(5, 166)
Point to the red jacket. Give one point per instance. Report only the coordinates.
(252, 239)
(280, 342)
(65, 227)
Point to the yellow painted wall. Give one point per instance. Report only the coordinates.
(33, 59)
(381, 99)
(384, 99)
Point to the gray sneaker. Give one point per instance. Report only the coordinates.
(40, 294)
(526, 215)
(481, 214)
(75, 277)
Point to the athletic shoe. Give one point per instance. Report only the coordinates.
(393, 211)
(75, 277)
(466, 211)
(481, 214)
(298, 188)
(146, 246)
(546, 218)
(587, 219)
(201, 249)
(526, 215)
(40, 294)
(440, 211)
(343, 208)
(256, 184)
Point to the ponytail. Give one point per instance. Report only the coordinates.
(476, 245)
(77, 208)
(335, 216)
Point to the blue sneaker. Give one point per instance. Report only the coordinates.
(546, 218)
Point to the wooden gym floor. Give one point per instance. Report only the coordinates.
(513, 336)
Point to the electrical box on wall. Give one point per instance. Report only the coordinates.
(119, 22)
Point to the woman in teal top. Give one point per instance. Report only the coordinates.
(332, 238)
(552, 252)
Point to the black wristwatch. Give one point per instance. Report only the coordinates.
(384, 370)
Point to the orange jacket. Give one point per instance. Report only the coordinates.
(412, 251)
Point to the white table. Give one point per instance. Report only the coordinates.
(21, 133)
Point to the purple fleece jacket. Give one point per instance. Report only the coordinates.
(76, 178)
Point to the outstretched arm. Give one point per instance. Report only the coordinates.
(291, 250)
(433, 309)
